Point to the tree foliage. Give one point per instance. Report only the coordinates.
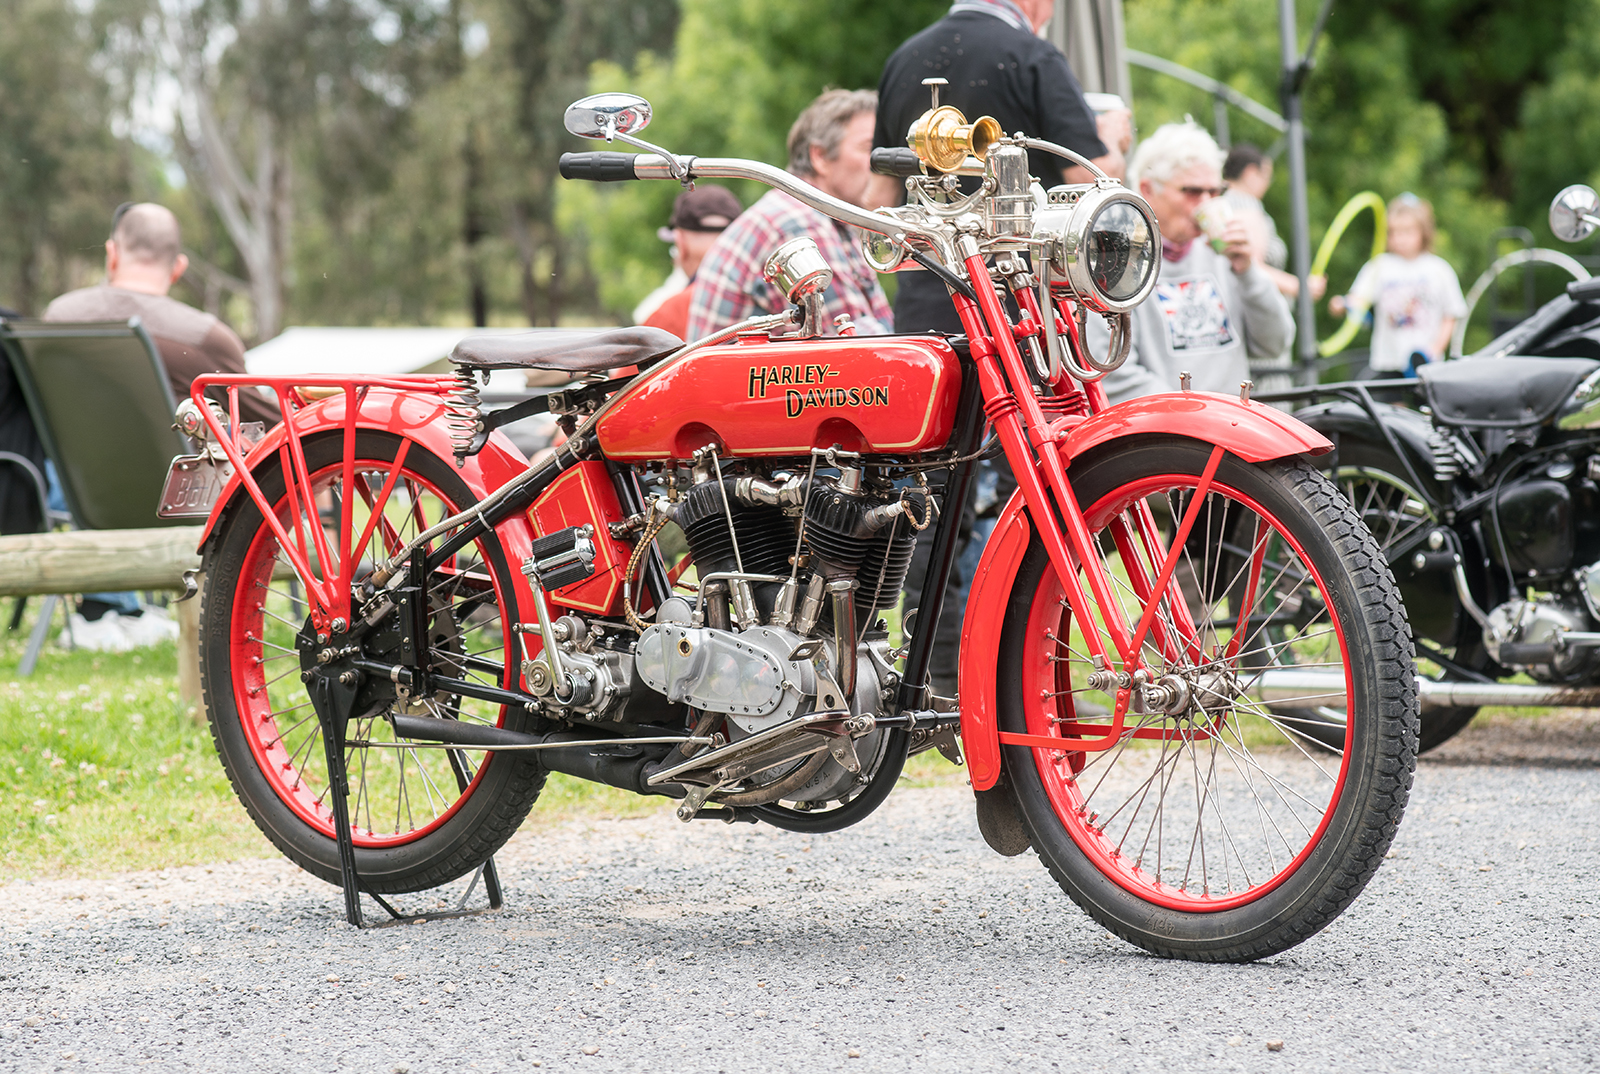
(61, 167)
(739, 74)
(412, 143)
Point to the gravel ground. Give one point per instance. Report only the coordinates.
(648, 945)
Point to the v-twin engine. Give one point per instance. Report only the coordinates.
(779, 658)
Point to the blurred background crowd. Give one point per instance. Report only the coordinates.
(382, 162)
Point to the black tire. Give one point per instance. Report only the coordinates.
(471, 597)
(1375, 482)
(1122, 884)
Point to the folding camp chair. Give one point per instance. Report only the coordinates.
(100, 399)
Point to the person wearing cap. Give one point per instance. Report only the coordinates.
(698, 217)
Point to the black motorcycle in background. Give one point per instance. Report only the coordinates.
(1485, 497)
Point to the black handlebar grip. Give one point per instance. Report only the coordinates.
(598, 167)
(1584, 290)
(897, 161)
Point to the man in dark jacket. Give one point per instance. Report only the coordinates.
(19, 498)
(996, 65)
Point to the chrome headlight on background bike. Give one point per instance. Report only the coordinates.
(1105, 242)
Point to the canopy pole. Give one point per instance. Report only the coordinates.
(1293, 78)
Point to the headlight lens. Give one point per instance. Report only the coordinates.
(1120, 252)
(1104, 242)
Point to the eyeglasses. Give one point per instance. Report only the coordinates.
(1201, 191)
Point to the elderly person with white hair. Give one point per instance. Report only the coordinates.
(1212, 309)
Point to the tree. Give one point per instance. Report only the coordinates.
(545, 52)
(270, 88)
(61, 168)
(1475, 60)
(739, 73)
(1557, 142)
(1368, 124)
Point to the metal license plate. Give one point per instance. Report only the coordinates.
(193, 484)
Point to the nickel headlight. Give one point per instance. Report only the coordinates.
(1106, 244)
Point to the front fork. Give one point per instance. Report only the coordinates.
(1029, 439)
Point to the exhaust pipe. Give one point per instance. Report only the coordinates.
(617, 762)
(1315, 688)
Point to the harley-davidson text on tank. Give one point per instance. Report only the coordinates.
(868, 394)
(807, 386)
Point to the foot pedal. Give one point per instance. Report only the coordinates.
(562, 558)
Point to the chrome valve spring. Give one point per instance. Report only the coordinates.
(464, 413)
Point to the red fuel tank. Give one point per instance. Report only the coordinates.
(872, 394)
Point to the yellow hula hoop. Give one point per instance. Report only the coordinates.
(1352, 322)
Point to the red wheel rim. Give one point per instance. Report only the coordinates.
(275, 713)
(1291, 786)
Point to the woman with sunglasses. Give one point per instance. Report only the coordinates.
(1214, 306)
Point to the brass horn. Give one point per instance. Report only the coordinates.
(942, 137)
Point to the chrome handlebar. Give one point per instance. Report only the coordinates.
(939, 239)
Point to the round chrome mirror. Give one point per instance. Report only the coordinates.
(882, 253)
(798, 269)
(605, 114)
(1575, 213)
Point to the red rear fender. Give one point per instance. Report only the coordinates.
(417, 417)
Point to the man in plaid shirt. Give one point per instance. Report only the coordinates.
(830, 146)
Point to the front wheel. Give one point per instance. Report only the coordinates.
(1213, 827)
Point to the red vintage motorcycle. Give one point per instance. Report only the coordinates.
(405, 627)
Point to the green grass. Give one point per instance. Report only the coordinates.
(102, 769)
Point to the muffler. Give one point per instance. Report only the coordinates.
(1316, 688)
(617, 762)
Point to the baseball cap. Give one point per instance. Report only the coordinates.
(705, 208)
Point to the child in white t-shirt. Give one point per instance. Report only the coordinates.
(1414, 295)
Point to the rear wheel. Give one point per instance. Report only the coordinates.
(419, 816)
(1398, 515)
(1214, 827)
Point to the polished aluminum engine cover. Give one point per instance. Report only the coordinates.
(1536, 623)
(747, 675)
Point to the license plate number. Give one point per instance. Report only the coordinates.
(193, 484)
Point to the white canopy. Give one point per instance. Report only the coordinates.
(374, 351)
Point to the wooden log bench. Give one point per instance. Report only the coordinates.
(94, 561)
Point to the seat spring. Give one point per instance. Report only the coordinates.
(465, 417)
(1446, 455)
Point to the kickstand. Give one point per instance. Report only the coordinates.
(339, 792)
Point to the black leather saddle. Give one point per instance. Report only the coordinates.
(1501, 393)
(575, 352)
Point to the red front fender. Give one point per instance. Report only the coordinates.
(416, 416)
(1253, 431)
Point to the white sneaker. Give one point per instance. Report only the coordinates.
(102, 635)
(151, 627)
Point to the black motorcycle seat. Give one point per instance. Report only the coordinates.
(574, 352)
(1501, 393)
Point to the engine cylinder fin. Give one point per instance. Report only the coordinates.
(766, 537)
